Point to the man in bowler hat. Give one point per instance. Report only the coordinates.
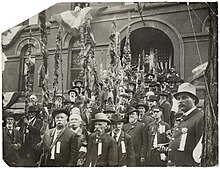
(185, 147)
(63, 150)
(124, 143)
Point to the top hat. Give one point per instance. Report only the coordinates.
(116, 118)
(60, 110)
(187, 88)
(131, 110)
(101, 117)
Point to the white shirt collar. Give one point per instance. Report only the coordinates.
(189, 111)
(118, 135)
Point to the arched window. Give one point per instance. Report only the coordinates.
(23, 68)
(74, 60)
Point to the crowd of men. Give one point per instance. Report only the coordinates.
(157, 125)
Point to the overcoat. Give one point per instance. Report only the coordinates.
(107, 155)
(191, 127)
(66, 148)
(125, 157)
(158, 130)
(10, 155)
(138, 133)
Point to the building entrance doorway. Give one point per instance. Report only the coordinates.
(151, 50)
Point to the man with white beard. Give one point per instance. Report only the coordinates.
(137, 131)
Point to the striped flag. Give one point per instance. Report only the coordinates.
(164, 58)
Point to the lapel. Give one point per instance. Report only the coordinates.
(190, 115)
(58, 136)
(8, 133)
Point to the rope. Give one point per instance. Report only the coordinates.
(205, 79)
(211, 9)
(201, 21)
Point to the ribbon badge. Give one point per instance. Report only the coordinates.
(183, 139)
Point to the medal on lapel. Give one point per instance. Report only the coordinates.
(183, 139)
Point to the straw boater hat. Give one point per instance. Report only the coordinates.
(101, 117)
(116, 118)
(60, 110)
(189, 89)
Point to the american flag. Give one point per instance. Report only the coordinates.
(164, 58)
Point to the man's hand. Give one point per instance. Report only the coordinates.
(142, 159)
(26, 121)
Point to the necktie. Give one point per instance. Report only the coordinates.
(115, 137)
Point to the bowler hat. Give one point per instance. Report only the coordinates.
(128, 91)
(150, 74)
(157, 109)
(60, 95)
(109, 109)
(78, 80)
(152, 98)
(131, 110)
(189, 89)
(163, 93)
(132, 82)
(141, 103)
(60, 110)
(32, 108)
(116, 118)
(8, 113)
(101, 117)
(72, 90)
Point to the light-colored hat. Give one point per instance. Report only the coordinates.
(188, 89)
(101, 117)
(75, 110)
(76, 116)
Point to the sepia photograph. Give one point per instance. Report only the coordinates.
(111, 84)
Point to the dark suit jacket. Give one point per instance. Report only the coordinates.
(166, 112)
(33, 136)
(68, 147)
(138, 133)
(128, 158)
(162, 138)
(108, 156)
(194, 124)
(10, 155)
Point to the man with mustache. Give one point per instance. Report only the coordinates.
(137, 131)
(11, 141)
(101, 150)
(63, 151)
(124, 143)
(185, 147)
